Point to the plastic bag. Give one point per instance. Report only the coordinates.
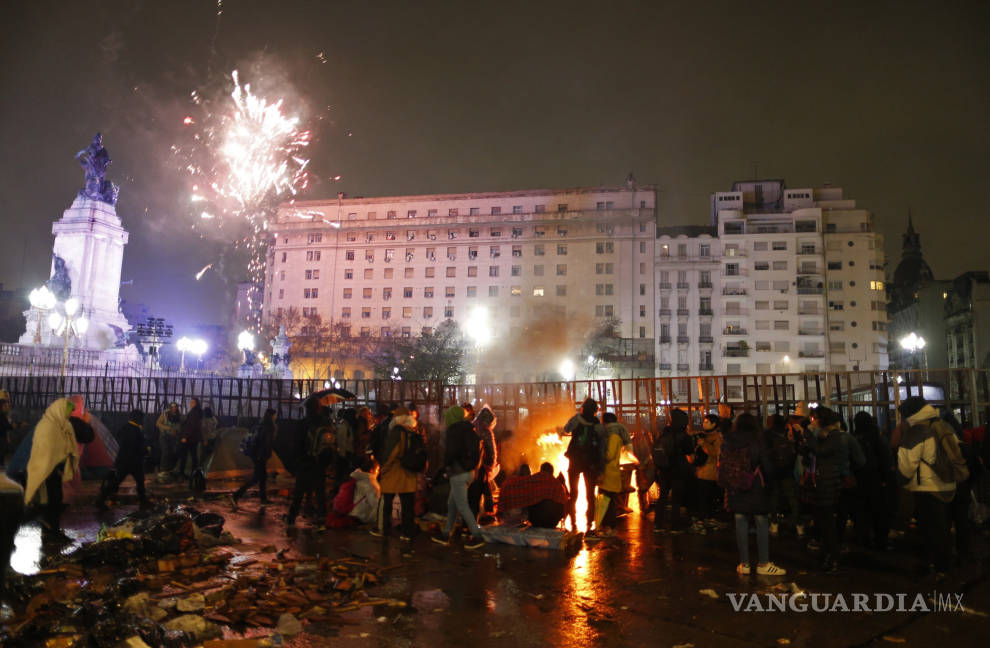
(601, 506)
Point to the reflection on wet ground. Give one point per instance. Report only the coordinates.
(638, 588)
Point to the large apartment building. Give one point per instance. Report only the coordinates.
(401, 265)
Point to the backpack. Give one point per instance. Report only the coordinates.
(470, 450)
(414, 458)
(249, 444)
(661, 454)
(782, 453)
(586, 447)
(376, 442)
(321, 442)
(735, 470)
(950, 465)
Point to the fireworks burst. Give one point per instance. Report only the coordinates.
(244, 157)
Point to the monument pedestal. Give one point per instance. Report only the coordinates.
(90, 239)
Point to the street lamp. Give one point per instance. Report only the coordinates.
(72, 324)
(196, 346)
(245, 343)
(913, 343)
(43, 300)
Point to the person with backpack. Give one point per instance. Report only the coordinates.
(379, 431)
(871, 512)
(673, 470)
(822, 457)
(783, 488)
(259, 451)
(959, 508)
(395, 478)
(462, 459)
(930, 463)
(709, 444)
(314, 449)
(131, 453)
(742, 465)
(585, 458)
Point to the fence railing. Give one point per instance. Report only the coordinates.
(638, 401)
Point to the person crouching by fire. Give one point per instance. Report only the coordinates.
(584, 457)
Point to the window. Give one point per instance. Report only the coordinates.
(762, 325)
(312, 274)
(642, 247)
(474, 211)
(348, 273)
(604, 268)
(604, 289)
(451, 234)
(369, 256)
(492, 271)
(761, 265)
(538, 271)
(732, 269)
(408, 273)
(493, 291)
(496, 211)
(538, 291)
(779, 246)
(365, 313)
(407, 312)
(407, 292)
(452, 212)
(780, 304)
(780, 265)
(472, 271)
(281, 293)
(284, 254)
(386, 313)
(386, 331)
(474, 232)
(431, 254)
(781, 325)
(705, 279)
(516, 232)
(517, 209)
(539, 209)
(561, 231)
(311, 255)
(537, 250)
(386, 293)
(472, 291)
(411, 213)
(345, 312)
(642, 290)
(762, 305)
(316, 238)
(760, 246)
(495, 251)
(410, 254)
(515, 271)
(561, 207)
(561, 269)
(448, 312)
(429, 273)
(347, 293)
(561, 249)
(389, 272)
(369, 273)
(451, 271)
(390, 214)
(495, 233)
(606, 310)
(682, 250)
(431, 212)
(642, 310)
(606, 247)
(366, 293)
(349, 255)
(472, 253)
(406, 332)
(515, 291)
(427, 312)
(704, 250)
(449, 292)
(428, 292)
(876, 285)
(561, 290)
(834, 285)
(351, 236)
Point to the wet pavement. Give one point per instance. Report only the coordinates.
(637, 589)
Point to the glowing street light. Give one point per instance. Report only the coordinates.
(913, 342)
(192, 345)
(477, 327)
(72, 324)
(567, 369)
(43, 300)
(245, 343)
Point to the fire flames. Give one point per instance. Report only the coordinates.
(552, 448)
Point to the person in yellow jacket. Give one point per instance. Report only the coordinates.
(396, 480)
(706, 470)
(614, 435)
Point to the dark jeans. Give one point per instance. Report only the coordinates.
(959, 512)
(546, 514)
(590, 479)
(259, 477)
(187, 449)
(480, 496)
(671, 488)
(51, 516)
(933, 518)
(709, 498)
(845, 510)
(112, 483)
(784, 496)
(407, 501)
(311, 479)
(611, 513)
(825, 527)
(871, 515)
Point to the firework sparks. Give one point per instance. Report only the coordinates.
(203, 271)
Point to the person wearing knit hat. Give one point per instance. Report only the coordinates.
(462, 457)
(394, 478)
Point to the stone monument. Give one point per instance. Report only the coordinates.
(87, 257)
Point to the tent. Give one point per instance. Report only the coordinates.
(95, 462)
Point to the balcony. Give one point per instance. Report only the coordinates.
(809, 290)
(807, 250)
(664, 312)
(683, 312)
(735, 352)
(664, 339)
(811, 311)
(706, 339)
(733, 291)
(664, 366)
(734, 331)
(683, 339)
(705, 285)
(683, 367)
(683, 285)
(664, 286)
(816, 332)
(705, 312)
(811, 354)
(808, 270)
(706, 367)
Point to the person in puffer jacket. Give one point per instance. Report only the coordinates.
(915, 459)
(826, 452)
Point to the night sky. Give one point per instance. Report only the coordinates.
(888, 100)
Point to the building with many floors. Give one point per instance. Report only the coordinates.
(562, 260)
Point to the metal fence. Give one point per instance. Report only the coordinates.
(637, 401)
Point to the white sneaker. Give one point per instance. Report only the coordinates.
(770, 569)
(774, 528)
(742, 569)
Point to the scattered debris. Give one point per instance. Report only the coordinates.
(710, 593)
(894, 639)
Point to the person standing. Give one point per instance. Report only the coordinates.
(916, 462)
(263, 444)
(823, 456)
(315, 449)
(462, 458)
(670, 458)
(706, 461)
(783, 489)
(190, 437)
(481, 494)
(585, 458)
(395, 479)
(614, 435)
(130, 461)
(168, 425)
(743, 462)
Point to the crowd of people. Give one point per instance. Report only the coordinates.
(804, 472)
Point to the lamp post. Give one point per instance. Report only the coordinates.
(72, 323)
(913, 343)
(43, 300)
(245, 344)
(193, 345)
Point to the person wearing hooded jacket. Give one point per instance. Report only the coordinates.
(615, 435)
(264, 443)
(915, 461)
(673, 478)
(190, 437)
(826, 451)
(581, 459)
(130, 460)
(871, 513)
(314, 449)
(394, 479)
(481, 494)
(462, 459)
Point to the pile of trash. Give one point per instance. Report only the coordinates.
(167, 579)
